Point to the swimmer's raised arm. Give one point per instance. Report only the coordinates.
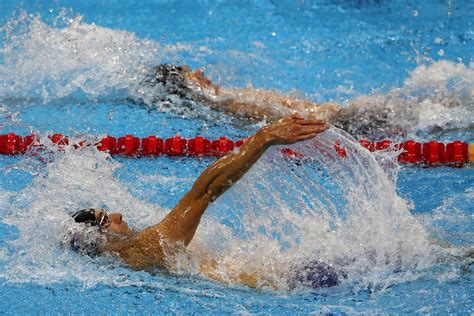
(153, 244)
(181, 223)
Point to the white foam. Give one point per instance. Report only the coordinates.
(71, 181)
(340, 211)
(75, 59)
(438, 94)
(47, 62)
(343, 212)
(449, 223)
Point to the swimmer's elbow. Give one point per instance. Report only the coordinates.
(200, 188)
(205, 183)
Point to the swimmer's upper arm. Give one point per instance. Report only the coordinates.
(181, 223)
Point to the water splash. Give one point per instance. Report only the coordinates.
(70, 180)
(343, 212)
(435, 95)
(46, 62)
(449, 223)
(70, 59)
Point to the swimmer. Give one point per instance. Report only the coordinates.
(157, 245)
(188, 86)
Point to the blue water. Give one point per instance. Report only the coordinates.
(393, 52)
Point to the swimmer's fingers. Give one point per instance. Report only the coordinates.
(306, 132)
(305, 135)
(310, 129)
(291, 119)
(310, 122)
(294, 128)
(300, 119)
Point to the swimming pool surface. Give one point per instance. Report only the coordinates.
(74, 67)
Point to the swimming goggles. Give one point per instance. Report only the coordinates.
(104, 219)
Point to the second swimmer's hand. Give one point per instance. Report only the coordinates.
(293, 129)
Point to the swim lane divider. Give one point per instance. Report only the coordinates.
(432, 153)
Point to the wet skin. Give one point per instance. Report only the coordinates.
(116, 224)
(256, 104)
(181, 223)
(154, 245)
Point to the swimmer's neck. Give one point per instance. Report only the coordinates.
(154, 245)
(115, 241)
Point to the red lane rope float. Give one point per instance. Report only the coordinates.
(175, 146)
(199, 146)
(152, 146)
(431, 153)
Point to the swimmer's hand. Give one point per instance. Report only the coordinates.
(292, 129)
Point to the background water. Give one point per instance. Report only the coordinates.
(73, 67)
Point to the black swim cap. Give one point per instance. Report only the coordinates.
(86, 216)
(85, 241)
(173, 79)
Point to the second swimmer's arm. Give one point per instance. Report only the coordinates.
(256, 104)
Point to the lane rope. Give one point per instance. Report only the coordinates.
(432, 153)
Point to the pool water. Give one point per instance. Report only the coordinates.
(75, 68)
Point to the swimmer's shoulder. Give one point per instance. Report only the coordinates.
(143, 251)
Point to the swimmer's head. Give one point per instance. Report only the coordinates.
(174, 80)
(98, 222)
(179, 81)
(102, 219)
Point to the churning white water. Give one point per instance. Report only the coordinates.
(73, 59)
(341, 211)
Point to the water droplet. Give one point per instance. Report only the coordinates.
(273, 33)
(414, 13)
